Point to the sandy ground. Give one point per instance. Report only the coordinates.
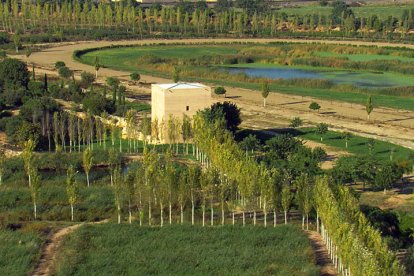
(392, 125)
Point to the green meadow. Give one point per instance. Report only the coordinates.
(185, 250)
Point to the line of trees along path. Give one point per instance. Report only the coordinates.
(123, 18)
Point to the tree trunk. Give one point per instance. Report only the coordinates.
(254, 217)
(303, 222)
(317, 221)
(170, 213)
(244, 219)
(149, 212)
(285, 217)
(222, 213)
(35, 210)
(192, 212)
(87, 178)
(162, 215)
(212, 215)
(274, 218)
(182, 214)
(232, 216)
(307, 222)
(71, 211)
(204, 211)
(119, 214)
(130, 213)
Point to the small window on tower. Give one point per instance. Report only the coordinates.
(187, 108)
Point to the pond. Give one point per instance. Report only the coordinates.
(357, 78)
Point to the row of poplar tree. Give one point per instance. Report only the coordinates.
(59, 16)
(71, 131)
(227, 180)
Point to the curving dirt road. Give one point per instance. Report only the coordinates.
(396, 126)
(51, 246)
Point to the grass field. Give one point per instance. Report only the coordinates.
(184, 250)
(357, 145)
(19, 251)
(127, 58)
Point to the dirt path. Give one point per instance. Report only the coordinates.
(49, 250)
(51, 246)
(321, 254)
(396, 126)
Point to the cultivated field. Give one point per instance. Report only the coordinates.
(186, 250)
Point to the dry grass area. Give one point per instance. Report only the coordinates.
(400, 198)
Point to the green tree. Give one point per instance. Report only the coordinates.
(17, 41)
(314, 106)
(265, 92)
(346, 136)
(304, 192)
(176, 75)
(135, 76)
(72, 189)
(321, 129)
(34, 188)
(371, 144)
(28, 158)
(369, 107)
(87, 162)
(296, 122)
(286, 199)
(130, 191)
(65, 72)
(59, 64)
(14, 72)
(220, 90)
(113, 160)
(118, 187)
(97, 66)
(87, 79)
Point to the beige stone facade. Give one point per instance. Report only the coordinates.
(177, 99)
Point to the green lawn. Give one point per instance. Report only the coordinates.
(19, 252)
(357, 145)
(126, 59)
(112, 249)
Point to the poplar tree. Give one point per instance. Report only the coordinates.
(118, 187)
(34, 188)
(28, 158)
(286, 199)
(369, 107)
(265, 92)
(72, 189)
(87, 162)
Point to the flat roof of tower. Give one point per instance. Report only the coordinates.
(181, 85)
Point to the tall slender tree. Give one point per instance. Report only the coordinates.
(72, 189)
(87, 162)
